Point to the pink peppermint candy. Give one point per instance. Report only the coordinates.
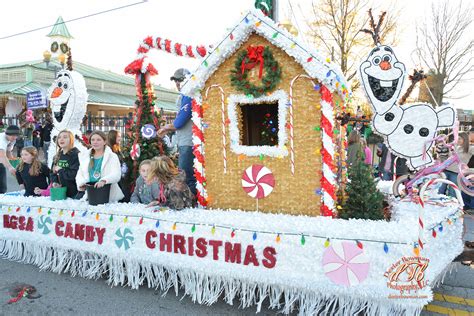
(345, 264)
(258, 181)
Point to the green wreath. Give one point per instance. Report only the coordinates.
(269, 81)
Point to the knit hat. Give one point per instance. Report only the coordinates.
(12, 130)
(180, 74)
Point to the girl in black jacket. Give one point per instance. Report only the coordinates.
(31, 173)
(65, 163)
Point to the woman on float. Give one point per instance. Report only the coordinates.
(99, 166)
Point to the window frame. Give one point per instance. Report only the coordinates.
(281, 98)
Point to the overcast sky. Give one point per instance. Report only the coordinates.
(109, 41)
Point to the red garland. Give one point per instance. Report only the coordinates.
(148, 41)
(327, 159)
(201, 51)
(177, 49)
(189, 51)
(198, 132)
(158, 42)
(168, 45)
(255, 56)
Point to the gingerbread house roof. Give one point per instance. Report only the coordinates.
(316, 65)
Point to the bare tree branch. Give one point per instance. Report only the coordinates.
(446, 47)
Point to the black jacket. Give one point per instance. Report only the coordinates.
(66, 176)
(402, 167)
(31, 182)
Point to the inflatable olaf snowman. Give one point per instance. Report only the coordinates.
(408, 129)
(68, 101)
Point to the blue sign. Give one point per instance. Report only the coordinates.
(36, 100)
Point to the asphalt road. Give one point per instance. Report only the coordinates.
(61, 294)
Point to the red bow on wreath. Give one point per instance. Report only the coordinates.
(254, 57)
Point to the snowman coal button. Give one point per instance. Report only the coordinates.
(389, 116)
(408, 128)
(424, 132)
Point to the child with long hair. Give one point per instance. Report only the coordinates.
(174, 192)
(31, 173)
(65, 164)
(99, 166)
(145, 191)
(114, 139)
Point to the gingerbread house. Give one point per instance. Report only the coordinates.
(265, 134)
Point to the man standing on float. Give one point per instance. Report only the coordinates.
(183, 126)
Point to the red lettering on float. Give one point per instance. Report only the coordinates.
(215, 244)
(179, 244)
(59, 225)
(270, 257)
(79, 231)
(233, 252)
(100, 231)
(68, 232)
(168, 240)
(149, 235)
(250, 256)
(191, 246)
(201, 245)
(21, 223)
(30, 224)
(89, 233)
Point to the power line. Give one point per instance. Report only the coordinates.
(72, 20)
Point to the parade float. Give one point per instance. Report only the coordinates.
(266, 231)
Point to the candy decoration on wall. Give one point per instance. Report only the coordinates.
(258, 181)
(223, 122)
(198, 150)
(345, 264)
(124, 239)
(328, 179)
(135, 152)
(148, 131)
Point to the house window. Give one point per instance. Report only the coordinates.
(259, 124)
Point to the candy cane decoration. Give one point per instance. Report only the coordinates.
(421, 212)
(198, 150)
(394, 167)
(328, 178)
(224, 142)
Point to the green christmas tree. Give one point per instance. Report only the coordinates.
(142, 130)
(363, 199)
(269, 130)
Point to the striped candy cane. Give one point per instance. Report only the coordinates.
(171, 47)
(224, 142)
(198, 150)
(421, 212)
(328, 178)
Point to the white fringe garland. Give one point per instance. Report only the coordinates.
(202, 288)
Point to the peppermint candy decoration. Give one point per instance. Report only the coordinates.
(345, 264)
(148, 131)
(135, 152)
(258, 181)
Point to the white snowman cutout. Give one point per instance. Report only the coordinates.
(68, 101)
(408, 129)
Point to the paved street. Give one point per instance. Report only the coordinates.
(65, 295)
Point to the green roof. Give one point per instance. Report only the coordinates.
(94, 96)
(60, 29)
(85, 70)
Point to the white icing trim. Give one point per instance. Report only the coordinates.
(234, 133)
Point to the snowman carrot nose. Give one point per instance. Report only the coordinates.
(56, 92)
(385, 65)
